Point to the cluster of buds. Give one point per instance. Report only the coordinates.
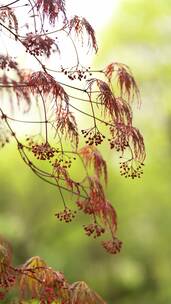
(119, 143)
(64, 161)
(93, 137)
(94, 230)
(112, 246)
(129, 169)
(79, 74)
(43, 151)
(67, 215)
(38, 45)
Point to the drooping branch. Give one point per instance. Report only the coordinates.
(62, 106)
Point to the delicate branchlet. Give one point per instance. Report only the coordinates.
(51, 9)
(63, 160)
(39, 45)
(8, 17)
(77, 72)
(81, 27)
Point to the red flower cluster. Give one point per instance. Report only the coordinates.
(39, 45)
(112, 246)
(67, 215)
(43, 151)
(94, 229)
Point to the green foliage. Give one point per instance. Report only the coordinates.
(140, 32)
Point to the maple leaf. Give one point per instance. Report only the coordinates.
(7, 16)
(38, 281)
(67, 125)
(116, 107)
(51, 9)
(82, 294)
(82, 26)
(126, 81)
(42, 83)
(92, 156)
(7, 275)
(96, 200)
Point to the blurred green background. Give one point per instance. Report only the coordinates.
(140, 36)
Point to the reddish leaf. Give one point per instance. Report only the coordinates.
(82, 26)
(92, 156)
(51, 9)
(82, 294)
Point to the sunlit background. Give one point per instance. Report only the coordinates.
(138, 33)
